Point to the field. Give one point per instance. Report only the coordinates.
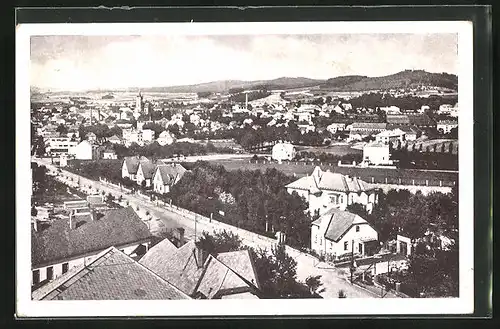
(339, 150)
(370, 175)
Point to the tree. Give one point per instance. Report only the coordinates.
(313, 283)
(342, 294)
(34, 212)
(62, 129)
(219, 242)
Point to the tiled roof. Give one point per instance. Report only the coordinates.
(111, 276)
(420, 120)
(148, 169)
(219, 279)
(169, 172)
(376, 144)
(340, 222)
(114, 138)
(405, 129)
(326, 180)
(59, 242)
(132, 164)
(241, 263)
(213, 278)
(177, 266)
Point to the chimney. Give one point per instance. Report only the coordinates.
(180, 236)
(71, 224)
(199, 255)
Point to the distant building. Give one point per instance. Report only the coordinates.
(376, 153)
(337, 233)
(389, 136)
(115, 140)
(411, 132)
(165, 176)
(55, 146)
(283, 151)
(360, 130)
(165, 138)
(145, 172)
(82, 151)
(109, 154)
(324, 190)
(334, 127)
(445, 126)
(91, 137)
(130, 166)
(390, 109)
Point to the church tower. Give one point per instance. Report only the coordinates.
(138, 103)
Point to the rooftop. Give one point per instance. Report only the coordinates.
(111, 276)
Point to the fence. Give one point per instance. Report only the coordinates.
(118, 186)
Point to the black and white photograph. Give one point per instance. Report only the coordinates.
(267, 164)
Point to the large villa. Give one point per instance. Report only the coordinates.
(324, 190)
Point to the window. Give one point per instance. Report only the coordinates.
(36, 276)
(346, 245)
(65, 267)
(357, 228)
(321, 241)
(50, 273)
(315, 238)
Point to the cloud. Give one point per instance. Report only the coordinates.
(84, 62)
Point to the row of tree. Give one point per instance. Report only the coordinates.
(253, 200)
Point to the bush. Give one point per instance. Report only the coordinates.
(342, 294)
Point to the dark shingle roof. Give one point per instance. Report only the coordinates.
(420, 120)
(148, 169)
(177, 266)
(397, 119)
(241, 263)
(229, 272)
(170, 172)
(369, 125)
(340, 222)
(117, 227)
(111, 276)
(132, 164)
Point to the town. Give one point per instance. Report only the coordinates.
(258, 191)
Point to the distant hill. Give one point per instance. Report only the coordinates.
(404, 79)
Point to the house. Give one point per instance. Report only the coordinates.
(421, 121)
(130, 166)
(445, 126)
(145, 172)
(283, 151)
(324, 189)
(411, 132)
(398, 119)
(109, 154)
(70, 242)
(115, 140)
(305, 128)
(337, 233)
(55, 146)
(389, 136)
(390, 109)
(202, 276)
(112, 275)
(165, 176)
(448, 109)
(334, 127)
(91, 137)
(148, 135)
(165, 138)
(376, 153)
(82, 151)
(360, 130)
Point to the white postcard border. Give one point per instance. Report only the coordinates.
(25, 307)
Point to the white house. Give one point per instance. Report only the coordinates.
(82, 151)
(339, 232)
(283, 151)
(130, 166)
(165, 176)
(165, 138)
(445, 126)
(59, 145)
(334, 127)
(391, 109)
(109, 154)
(324, 190)
(115, 140)
(67, 243)
(377, 153)
(148, 135)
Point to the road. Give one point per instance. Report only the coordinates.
(333, 279)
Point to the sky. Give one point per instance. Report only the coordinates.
(106, 62)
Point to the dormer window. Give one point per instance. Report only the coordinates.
(357, 228)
